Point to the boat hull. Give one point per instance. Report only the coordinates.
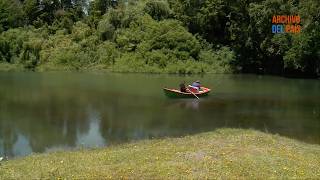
(174, 93)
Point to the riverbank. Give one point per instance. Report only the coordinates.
(224, 153)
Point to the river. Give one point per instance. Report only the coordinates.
(45, 112)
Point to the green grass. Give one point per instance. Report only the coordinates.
(222, 154)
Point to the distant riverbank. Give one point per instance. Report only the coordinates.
(161, 37)
(224, 153)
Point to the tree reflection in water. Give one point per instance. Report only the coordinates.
(41, 116)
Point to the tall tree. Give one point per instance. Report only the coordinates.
(32, 10)
(99, 7)
(11, 14)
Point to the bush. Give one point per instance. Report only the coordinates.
(186, 67)
(220, 61)
(158, 10)
(80, 31)
(133, 62)
(61, 50)
(107, 53)
(156, 58)
(21, 46)
(137, 38)
(11, 14)
(146, 34)
(105, 30)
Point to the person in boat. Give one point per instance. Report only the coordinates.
(196, 85)
(183, 87)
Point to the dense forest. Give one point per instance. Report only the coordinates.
(170, 36)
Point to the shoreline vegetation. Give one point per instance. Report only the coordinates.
(223, 153)
(164, 36)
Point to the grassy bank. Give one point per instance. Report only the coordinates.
(224, 153)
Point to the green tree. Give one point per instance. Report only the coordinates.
(158, 10)
(11, 14)
(99, 7)
(31, 9)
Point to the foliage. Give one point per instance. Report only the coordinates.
(11, 14)
(158, 10)
(21, 46)
(160, 36)
(80, 31)
(220, 61)
(105, 30)
(146, 34)
(107, 53)
(245, 26)
(99, 7)
(303, 55)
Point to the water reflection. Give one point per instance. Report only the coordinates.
(21, 146)
(191, 104)
(41, 113)
(92, 138)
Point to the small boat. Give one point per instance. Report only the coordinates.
(174, 93)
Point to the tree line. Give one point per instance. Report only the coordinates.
(172, 36)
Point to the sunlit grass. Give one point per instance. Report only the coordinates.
(224, 153)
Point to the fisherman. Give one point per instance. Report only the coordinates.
(196, 85)
(183, 87)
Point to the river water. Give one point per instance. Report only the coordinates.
(44, 112)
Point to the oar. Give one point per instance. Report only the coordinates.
(193, 93)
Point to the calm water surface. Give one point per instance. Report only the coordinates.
(43, 112)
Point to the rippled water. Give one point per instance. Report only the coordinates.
(42, 112)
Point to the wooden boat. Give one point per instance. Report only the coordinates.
(174, 93)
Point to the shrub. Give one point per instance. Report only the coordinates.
(107, 53)
(158, 10)
(186, 67)
(105, 30)
(80, 31)
(133, 62)
(146, 34)
(219, 61)
(21, 46)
